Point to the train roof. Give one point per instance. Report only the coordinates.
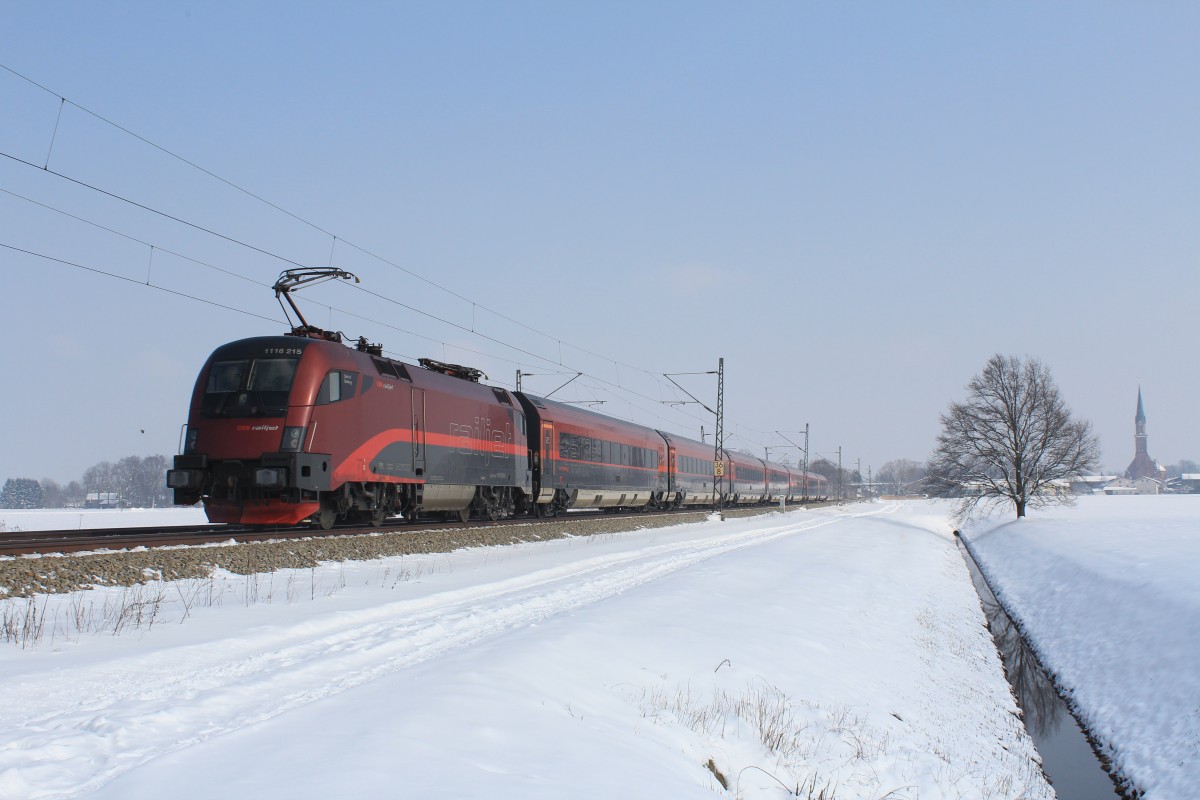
(582, 416)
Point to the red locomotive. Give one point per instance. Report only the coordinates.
(284, 429)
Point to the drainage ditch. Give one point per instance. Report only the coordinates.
(1068, 759)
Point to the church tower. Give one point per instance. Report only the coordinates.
(1143, 465)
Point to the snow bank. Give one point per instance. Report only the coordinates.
(57, 519)
(840, 650)
(1107, 593)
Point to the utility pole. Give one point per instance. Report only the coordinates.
(803, 461)
(806, 462)
(718, 452)
(719, 437)
(841, 484)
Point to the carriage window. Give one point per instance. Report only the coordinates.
(331, 389)
(349, 382)
(338, 385)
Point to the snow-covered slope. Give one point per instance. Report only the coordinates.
(1108, 594)
(841, 650)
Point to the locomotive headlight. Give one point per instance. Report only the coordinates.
(292, 439)
(189, 443)
(268, 477)
(179, 479)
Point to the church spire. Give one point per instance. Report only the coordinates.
(1143, 465)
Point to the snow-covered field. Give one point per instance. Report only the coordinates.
(840, 650)
(1109, 594)
(88, 518)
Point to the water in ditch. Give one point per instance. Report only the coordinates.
(1067, 758)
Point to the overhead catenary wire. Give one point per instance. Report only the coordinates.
(239, 276)
(206, 301)
(131, 238)
(106, 273)
(185, 295)
(617, 385)
(158, 147)
(309, 223)
(298, 264)
(442, 320)
(231, 273)
(151, 209)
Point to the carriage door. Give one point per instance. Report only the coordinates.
(548, 480)
(418, 431)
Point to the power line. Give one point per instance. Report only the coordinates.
(335, 238)
(282, 210)
(296, 263)
(144, 207)
(160, 148)
(346, 312)
(148, 285)
(329, 307)
(115, 232)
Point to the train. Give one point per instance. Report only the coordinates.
(303, 428)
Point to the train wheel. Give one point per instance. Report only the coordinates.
(326, 517)
(378, 515)
(464, 515)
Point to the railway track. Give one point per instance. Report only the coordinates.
(75, 541)
(13, 543)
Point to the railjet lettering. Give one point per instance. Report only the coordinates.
(481, 439)
(243, 428)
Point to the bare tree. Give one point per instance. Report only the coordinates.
(903, 476)
(1010, 439)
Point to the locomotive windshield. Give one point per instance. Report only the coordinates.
(253, 387)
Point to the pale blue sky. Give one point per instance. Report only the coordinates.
(855, 204)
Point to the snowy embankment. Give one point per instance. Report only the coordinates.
(1107, 593)
(840, 651)
(93, 518)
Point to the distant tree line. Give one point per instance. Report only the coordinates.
(1184, 467)
(842, 482)
(131, 482)
(902, 476)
